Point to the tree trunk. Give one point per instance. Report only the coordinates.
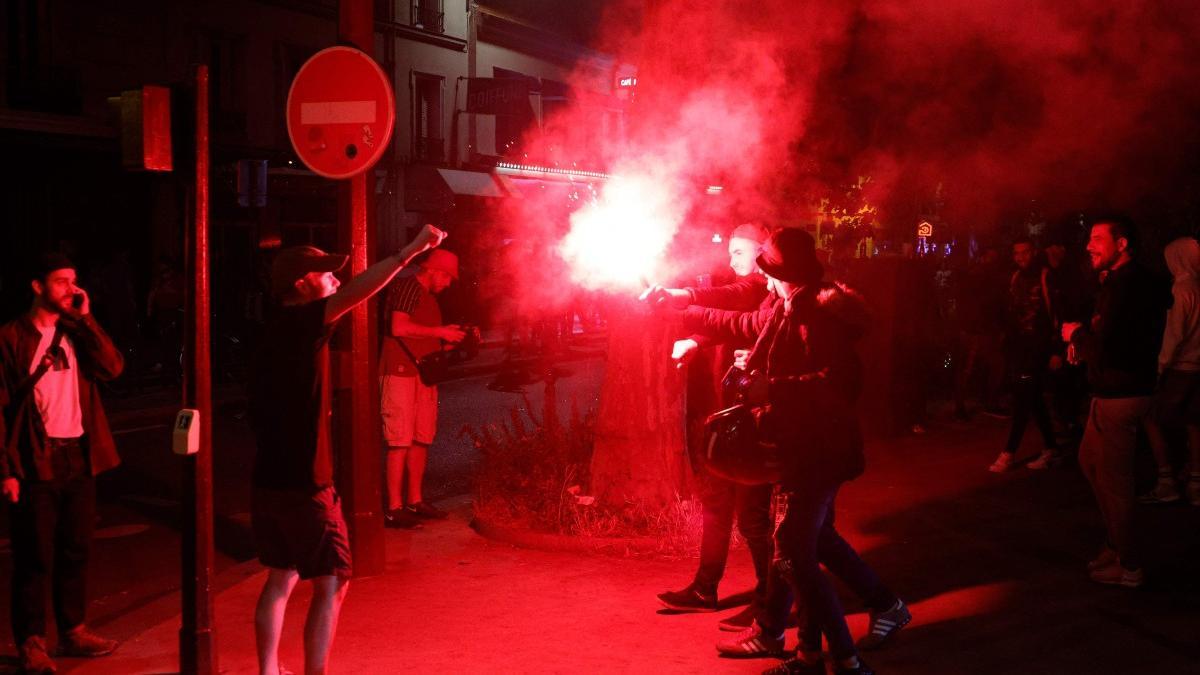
(639, 454)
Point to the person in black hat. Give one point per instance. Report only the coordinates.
(295, 512)
(56, 440)
(804, 347)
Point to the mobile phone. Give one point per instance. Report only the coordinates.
(77, 301)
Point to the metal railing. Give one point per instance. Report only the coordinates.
(427, 17)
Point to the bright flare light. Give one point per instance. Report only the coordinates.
(618, 241)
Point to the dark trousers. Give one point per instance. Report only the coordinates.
(721, 500)
(804, 539)
(1027, 401)
(51, 534)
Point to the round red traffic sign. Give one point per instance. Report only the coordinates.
(340, 112)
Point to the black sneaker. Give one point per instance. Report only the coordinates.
(402, 519)
(861, 669)
(426, 510)
(740, 621)
(690, 599)
(796, 666)
(884, 625)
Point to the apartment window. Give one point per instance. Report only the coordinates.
(428, 15)
(428, 142)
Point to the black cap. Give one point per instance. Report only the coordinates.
(49, 262)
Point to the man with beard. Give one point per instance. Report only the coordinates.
(1120, 346)
(56, 441)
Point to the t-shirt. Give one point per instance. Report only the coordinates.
(407, 295)
(57, 392)
(290, 400)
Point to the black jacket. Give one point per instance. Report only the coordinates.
(1121, 341)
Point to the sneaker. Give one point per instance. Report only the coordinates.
(1193, 491)
(80, 641)
(1106, 557)
(797, 666)
(740, 621)
(34, 658)
(751, 643)
(861, 669)
(884, 625)
(402, 519)
(1164, 492)
(690, 599)
(1048, 459)
(426, 510)
(1003, 463)
(1114, 574)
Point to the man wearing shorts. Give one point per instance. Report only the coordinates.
(413, 327)
(295, 511)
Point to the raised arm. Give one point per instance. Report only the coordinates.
(376, 277)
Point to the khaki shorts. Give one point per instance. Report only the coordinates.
(409, 411)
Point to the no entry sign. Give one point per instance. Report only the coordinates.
(340, 112)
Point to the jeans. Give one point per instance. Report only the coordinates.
(1106, 456)
(804, 536)
(721, 499)
(52, 530)
(1028, 399)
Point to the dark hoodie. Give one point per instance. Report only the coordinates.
(1121, 342)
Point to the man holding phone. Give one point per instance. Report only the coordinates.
(56, 439)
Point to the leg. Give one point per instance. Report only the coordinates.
(1023, 392)
(1041, 412)
(268, 617)
(73, 538)
(842, 561)
(717, 502)
(415, 466)
(1115, 473)
(33, 520)
(754, 524)
(397, 457)
(321, 623)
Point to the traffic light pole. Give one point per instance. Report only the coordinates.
(197, 641)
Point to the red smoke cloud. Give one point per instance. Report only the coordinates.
(1072, 103)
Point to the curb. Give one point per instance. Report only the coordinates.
(560, 543)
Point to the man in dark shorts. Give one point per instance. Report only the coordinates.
(296, 512)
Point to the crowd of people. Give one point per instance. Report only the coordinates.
(786, 326)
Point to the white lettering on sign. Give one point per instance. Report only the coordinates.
(338, 112)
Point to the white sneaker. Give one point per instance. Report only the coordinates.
(1003, 463)
(1115, 575)
(1047, 459)
(1164, 492)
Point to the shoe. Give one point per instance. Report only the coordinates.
(797, 666)
(1164, 492)
(1114, 574)
(426, 510)
(751, 643)
(34, 658)
(1193, 491)
(1048, 459)
(1106, 557)
(402, 519)
(80, 641)
(861, 669)
(884, 625)
(998, 413)
(740, 621)
(690, 599)
(1003, 463)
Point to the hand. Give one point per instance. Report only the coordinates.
(740, 358)
(657, 296)
(451, 333)
(683, 350)
(81, 304)
(12, 489)
(1068, 329)
(429, 237)
(1056, 363)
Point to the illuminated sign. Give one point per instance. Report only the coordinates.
(627, 82)
(925, 229)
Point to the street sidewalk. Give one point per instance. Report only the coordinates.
(992, 566)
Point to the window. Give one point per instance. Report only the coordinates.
(428, 15)
(428, 143)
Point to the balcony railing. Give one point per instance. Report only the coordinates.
(428, 18)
